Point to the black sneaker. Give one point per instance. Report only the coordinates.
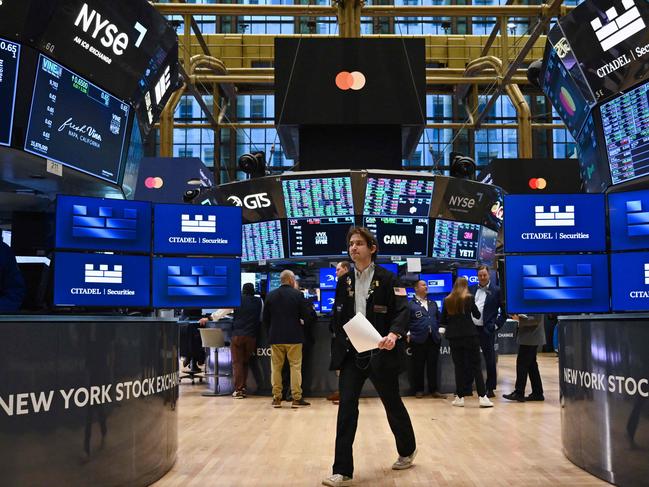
(535, 397)
(490, 393)
(514, 396)
(300, 404)
(277, 403)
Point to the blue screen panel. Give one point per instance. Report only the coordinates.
(327, 299)
(328, 278)
(410, 292)
(629, 220)
(186, 282)
(394, 268)
(557, 284)
(630, 281)
(101, 280)
(470, 274)
(197, 230)
(103, 224)
(438, 283)
(555, 223)
(439, 300)
(273, 281)
(313, 296)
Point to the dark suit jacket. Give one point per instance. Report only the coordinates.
(461, 325)
(493, 314)
(284, 308)
(386, 310)
(423, 321)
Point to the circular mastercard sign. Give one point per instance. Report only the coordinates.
(537, 183)
(153, 183)
(350, 81)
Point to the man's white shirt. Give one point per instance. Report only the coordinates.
(480, 298)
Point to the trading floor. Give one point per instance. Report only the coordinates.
(229, 442)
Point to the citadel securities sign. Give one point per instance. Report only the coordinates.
(609, 41)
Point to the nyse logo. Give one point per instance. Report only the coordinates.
(461, 202)
(618, 28)
(92, 22)
(321, 238)
(252, 201)
(395, 240)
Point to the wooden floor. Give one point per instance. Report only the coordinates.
(227, 442)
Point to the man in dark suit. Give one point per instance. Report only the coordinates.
(285, 314)
(492, 317)
(373, 292)
(12, 285)
(424, 341)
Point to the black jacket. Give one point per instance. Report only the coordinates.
(493, 312)
(12, 285)
(283, 310)
(387, 310)
(460, 325)
(247, 317)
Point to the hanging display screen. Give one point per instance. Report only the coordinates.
(9, 59)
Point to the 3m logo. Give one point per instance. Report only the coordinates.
(559, 284)
(646, 274)
(636, 219)
(198, 225)
(107, 223)
(618, 28)
(103, 275)
(197, 280)
(554, 217)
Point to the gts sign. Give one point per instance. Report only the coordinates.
(92, 23)
(252, 201)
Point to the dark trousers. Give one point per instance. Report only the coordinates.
(351, 380)
(424, 357)
(526, 364)
(242, 348)
(487, 344)
(465, 352)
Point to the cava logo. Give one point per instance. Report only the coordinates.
(463, 202)
(618, 28)
(252, 201)
(395, 240)
(562, 47)
(91, 22)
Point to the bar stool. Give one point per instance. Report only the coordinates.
(213, 338)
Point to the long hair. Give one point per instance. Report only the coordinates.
(455, 302)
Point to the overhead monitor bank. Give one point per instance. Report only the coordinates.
(9, 61)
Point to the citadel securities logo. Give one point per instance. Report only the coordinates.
(562, 48)
(252, 201)
(103, 275)
(350, 81)
(618, 28)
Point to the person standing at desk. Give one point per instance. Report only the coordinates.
(12, 285)
(373, 292)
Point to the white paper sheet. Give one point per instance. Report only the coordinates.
(414, 264)
(362, 334)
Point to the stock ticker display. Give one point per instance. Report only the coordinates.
(456, 240)
(9, 59)
(318, 237)
(400, 235)
(318, 197)
(76, 123)
(625, 122)
(398, 197)
(262, 241)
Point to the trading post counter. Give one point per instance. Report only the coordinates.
(604, 379)
(87, 400)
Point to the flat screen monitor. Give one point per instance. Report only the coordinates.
(318, 197)
(470, 274)
(398, 197)
(273, 281)
(318, 237)
(555, 223)
(313, 296)
(557, 283)
(399, 236)
(76, 123)
(625, 119)
(488, 242)
(9, 60)
(101, 280)
(328, 278)
(628, 215)
(630, 281)
(102, 224)
(196, 230)
(204, 282)
(262, 241)
(392, 267)
(327, 299)
(438, 283)
(455, 240)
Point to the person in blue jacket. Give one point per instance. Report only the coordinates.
(424, 341)
(12, 285)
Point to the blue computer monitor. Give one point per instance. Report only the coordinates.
(629, 220)
(557, 283)
(438, 283)
(630, 281)
(555, 223)
(103, 224)
(392, 267)
(273, 281)
(328, 278)
(101, 280)
(189, 282)
(197, 230)
(327, 299)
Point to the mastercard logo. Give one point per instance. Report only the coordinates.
(537, 183)
(153, 183)
(350, 81)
